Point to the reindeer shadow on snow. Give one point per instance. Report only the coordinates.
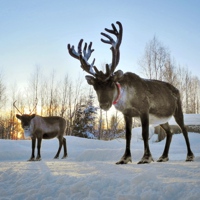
(38, 128)
(152, 101)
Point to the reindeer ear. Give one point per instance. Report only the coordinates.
(90, 80)
(18, 116)
(118, 75)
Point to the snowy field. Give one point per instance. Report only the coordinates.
(90, 172)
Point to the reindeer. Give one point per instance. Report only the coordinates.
(152, 101)
(38, 127)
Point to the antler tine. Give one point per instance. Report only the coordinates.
(84, 59)
(17, 108)
(115, 44)
(87, 51)
(72, 51)
(103, 76)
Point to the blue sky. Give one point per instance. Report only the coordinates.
(36, 33)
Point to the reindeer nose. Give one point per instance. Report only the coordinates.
(26, 128)
(105, 106)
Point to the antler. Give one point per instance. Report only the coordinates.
(87, 51)
(115, 44)
(83, 58)
(17, 108)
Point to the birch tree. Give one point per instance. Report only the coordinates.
(2, 92)
(154, 59)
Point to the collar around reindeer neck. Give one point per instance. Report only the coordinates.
(119, 93)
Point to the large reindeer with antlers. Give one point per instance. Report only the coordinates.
(38, 127)
(153, 101)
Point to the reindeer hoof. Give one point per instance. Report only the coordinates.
(64, 157)
(38, 159)
(163, 159)
(31, 159)
(190, 158)
(124, 160)
(146, 160)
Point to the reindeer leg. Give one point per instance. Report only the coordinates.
(164, 156)
(65, 148)
(127, 154)
(32, 158)
(147, 158)
(179, 119)
(59, 148)
(39, 141)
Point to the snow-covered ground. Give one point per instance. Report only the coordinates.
(90, 172)
(189, 119)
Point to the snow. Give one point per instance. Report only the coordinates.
(90, 172)
(189, 119)
(89, 135)
(138, 136)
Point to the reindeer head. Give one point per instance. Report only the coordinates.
(25, 120)
(105, 84)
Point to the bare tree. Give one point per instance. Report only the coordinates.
(2, 91)
(154, 59)
(43, 96)
(169, 72)
(51, 94)
(187, 86)
(32, 89)
(77, 95)
(64, 95)
(12, 126)
(193, 94)
(114, 123)
(157, 64)
(100, 123)
(2, 104)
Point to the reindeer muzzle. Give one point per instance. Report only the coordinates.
(105, 106)
(27, 132)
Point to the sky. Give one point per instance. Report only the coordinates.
(36, 33)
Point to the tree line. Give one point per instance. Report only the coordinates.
(77, 103)
(157, 63)
(45, 95)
